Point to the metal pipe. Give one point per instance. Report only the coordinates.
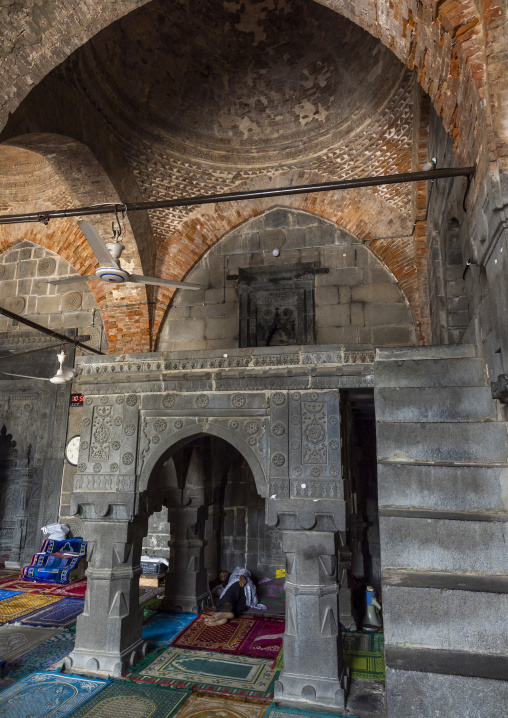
(49, 332)
(110, 208)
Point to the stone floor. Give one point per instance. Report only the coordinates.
(366, 699)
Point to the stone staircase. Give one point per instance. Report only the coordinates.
(443, 505)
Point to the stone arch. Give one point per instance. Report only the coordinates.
(436, 40)
(68, 172)
(311, 237)
(167, 448)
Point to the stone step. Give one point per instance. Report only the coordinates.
(458, 404)
(443, 545)
(461, 372)
(442, 443)
(443, 488)
(449, 620)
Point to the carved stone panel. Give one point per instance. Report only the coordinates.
(276, 305)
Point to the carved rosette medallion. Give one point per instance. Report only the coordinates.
(278, 459)
(278, 428)
(278, 398)
(202, 401)
(178, 424)
(128, 458)
(131, 400)
(238, 401)
(129, 429)
(234, 424)
(251, 427)
(169, 400)
(160, 425)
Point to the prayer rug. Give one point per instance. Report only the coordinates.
(8, 594)
(11, 609)
(121, 698)
(61, 613)
(279, 661)
(256, 637)
(199, 706)
(76, 589)
(274, 711)
(364, 654)
(155, 603)
(272, 595)
(163, 627)
(17, 640)
(207, 672)
(14, 583)
(44, 657)
(41, 695)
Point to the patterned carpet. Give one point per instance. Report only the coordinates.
(256, 637)
(14, 583)
(61, 613)
(121, 699)
(364, 654)
(42, 657)
(207, 672)
(273, 596)
(17, 640)
(11, 609)
(45, 695)
(281, 712)
(163, 627)
(214, 707)
(8, 594)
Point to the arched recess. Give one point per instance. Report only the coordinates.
(67, 173)
(358, 300)
(443, 44)
(147, 481)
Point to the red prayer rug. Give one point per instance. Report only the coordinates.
(71, 590)
(249, 636)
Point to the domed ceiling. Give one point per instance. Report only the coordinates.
(241, 83)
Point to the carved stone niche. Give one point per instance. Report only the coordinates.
(276, 305)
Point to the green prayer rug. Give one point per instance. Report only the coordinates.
(207, 672)
(364, 654)
(122, 699)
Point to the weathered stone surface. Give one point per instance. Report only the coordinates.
(444, 404)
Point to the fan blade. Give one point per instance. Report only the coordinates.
(71, 280)
(97, 245)
(141, 279)
(24, 376)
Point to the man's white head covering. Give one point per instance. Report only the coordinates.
(249, 589)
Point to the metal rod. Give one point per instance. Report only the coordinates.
(49, 332)
(45, 216)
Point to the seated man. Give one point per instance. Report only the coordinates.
(231, 604)
(219, 584)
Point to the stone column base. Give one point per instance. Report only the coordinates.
(104, 663)
(299, 691)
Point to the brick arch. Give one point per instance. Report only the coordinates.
(444, 43)
(361, 212)
(69, 175)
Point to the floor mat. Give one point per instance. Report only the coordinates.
(76, 589)
(130, 700)
(272, 595)
(11, 609)
(65, 611)
(257, 637)
(17, 640)
(43, 657)
(199, 706)
(8, 594)
(163, 627)
(207, 672)
(14, 583)
(282, 712)
(364, 654)
(41, 695)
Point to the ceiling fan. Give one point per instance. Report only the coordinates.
(62, 375)
(108, 255)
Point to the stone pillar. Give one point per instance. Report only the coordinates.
(313, 670)
(108, 632)
(186, 580)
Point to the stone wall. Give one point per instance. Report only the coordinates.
(357, 300)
